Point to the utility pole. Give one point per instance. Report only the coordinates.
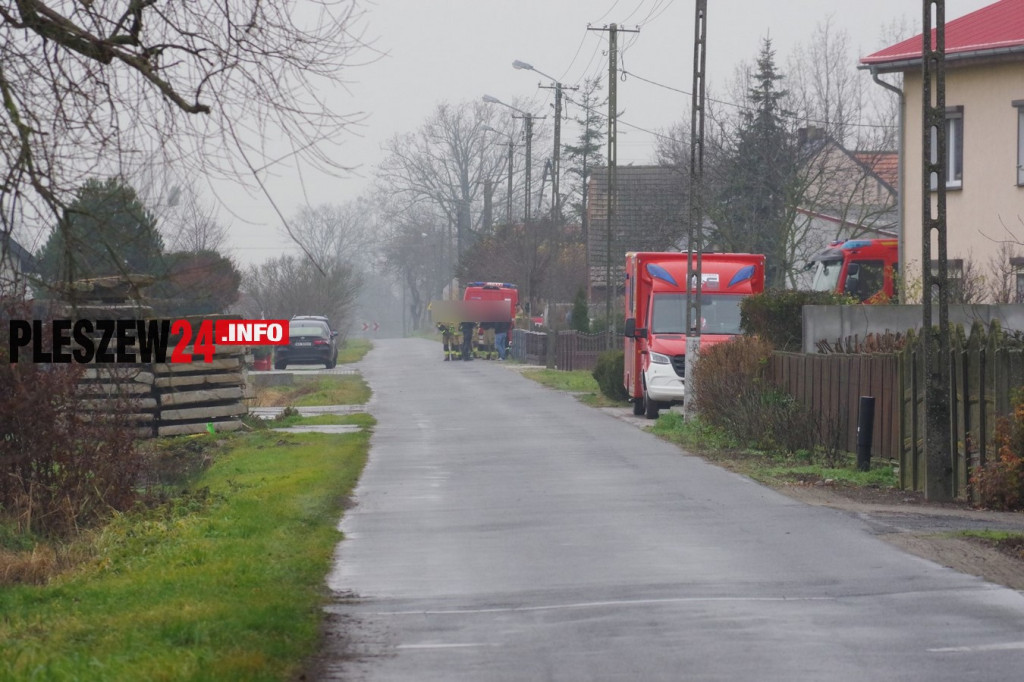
(613, 58)
(508, 201)
(556, 203)
(938, 434)
(695, 239)
(556, 164)
(528, 133)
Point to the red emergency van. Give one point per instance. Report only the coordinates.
(655, 330)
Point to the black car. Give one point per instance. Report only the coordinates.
(310, 342)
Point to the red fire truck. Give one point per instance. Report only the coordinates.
(655, 329)
(485, 298)
(866, 269)
(494, 291)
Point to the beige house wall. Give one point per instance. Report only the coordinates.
(989, 208)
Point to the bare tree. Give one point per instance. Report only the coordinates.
(417, 252)
(1005, 267)
(190, 224)
(224, 89)
(342, 231)
(824, 87)
(285, 286)
(449, 164)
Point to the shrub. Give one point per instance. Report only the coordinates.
(999, 484)
(61, 467)
(608, 374)
(731, 393)
(778, 315)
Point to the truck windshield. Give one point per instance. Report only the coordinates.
(720, 314)
(826, 275)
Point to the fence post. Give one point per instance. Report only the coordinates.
(865, 431)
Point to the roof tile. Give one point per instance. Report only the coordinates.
(999, 25)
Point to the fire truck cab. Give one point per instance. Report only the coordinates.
(865, 269)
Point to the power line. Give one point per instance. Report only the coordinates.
(744, 107)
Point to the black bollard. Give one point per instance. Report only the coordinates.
(865, 432)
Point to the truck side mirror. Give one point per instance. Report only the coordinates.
(631, 332)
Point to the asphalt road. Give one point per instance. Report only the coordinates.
(503, 531)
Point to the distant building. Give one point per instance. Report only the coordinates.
(15, 264)
(649, 214)
(984, 67)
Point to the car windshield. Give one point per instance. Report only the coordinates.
(306, 329)
(826, 275)
(720, 314)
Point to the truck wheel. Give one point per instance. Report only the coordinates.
(650, 407)
(638, 406)
(280, 365)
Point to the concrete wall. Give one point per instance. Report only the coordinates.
(838, 322)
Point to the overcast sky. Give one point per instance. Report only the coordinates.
(434, 51)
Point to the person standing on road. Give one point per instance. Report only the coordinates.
(488, 348)
(467, 339)
(501, 337)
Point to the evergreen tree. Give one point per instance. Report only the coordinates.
(582, 157)
(580, 312)
(105, 231)
(751, 211)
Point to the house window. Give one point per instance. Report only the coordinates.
(1019, 104)
(954, 149)
(1017, 292)
(958, 288)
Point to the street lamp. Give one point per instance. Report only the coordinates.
(511, 147)
(556, 165)
(528, 120)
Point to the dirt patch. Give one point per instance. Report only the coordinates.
(929, 530)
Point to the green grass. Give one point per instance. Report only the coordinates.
(994, 536)
(581, 382)
(317, 389)
(353, 351)
(225, 583)
(770, 468)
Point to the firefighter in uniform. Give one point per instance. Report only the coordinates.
(450, 340)
(467, 328)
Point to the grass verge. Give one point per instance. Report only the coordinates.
(772, 469)
(1005, 541)
(316, 389)
(353, 350)
(580, 382)
(225, 582)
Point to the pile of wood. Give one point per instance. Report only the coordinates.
(202, 396)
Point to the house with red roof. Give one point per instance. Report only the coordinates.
(984, 99)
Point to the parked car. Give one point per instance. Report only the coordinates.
(311, 341)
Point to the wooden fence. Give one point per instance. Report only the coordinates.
(575, 350)
(984, 373)
(565, 350)
(833, 384)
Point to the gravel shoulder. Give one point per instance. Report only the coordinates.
(928, 530)
(905, 519)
